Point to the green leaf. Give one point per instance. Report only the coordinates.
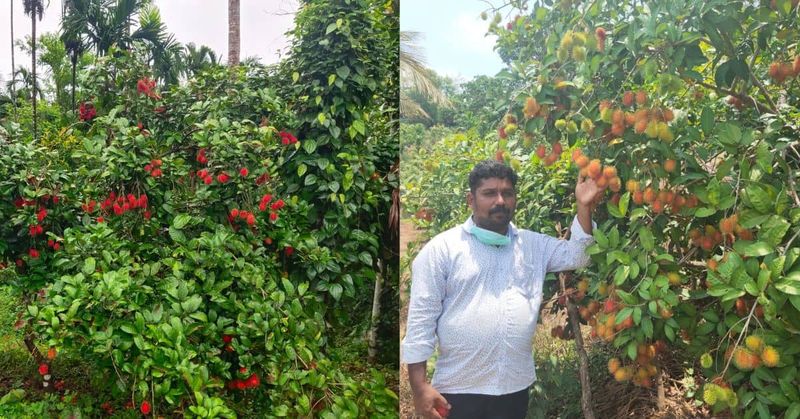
(707, 120)
(773, 230)
(331, 27)
(89, 266)
(647, 327)
(295, 76)
(623, 203)
(176, 235)
(623, 314)
(309, 146)
(759, 198)
(764, 157)
(631, 350)
(336, 291)
(729, 134)
(365, 258)
(790, 284)
(181, 220)
(793, 412)
(646, 238)
(287, 285)
(343, 72)
(704, 212)
(600, 238)
(301, 169)
(755, 249)
(359, 126)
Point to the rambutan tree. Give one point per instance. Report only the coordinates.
(200, 246)
(687, 113)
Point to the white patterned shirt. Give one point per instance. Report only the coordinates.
(482, 302)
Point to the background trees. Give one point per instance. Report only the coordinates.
(690, 106)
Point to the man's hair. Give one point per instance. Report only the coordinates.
(490, 169)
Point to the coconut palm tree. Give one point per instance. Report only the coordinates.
(34, 9)
(414, 75)
(234, 39)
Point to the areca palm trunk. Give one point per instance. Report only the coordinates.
(33, 68)
(13, 72)
(234, 39)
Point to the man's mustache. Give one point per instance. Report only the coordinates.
(503, 210)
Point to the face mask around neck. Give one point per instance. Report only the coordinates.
(489, 237)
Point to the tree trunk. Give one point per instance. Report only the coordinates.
(33, 68)
(586, 387)
(234, 39)
(662, 399)
(73, 86)
(376, 314)
(13, 70)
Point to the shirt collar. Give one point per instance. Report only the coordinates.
(467, 226)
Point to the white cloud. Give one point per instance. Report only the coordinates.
(468, 34)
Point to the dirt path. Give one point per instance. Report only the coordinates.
(408, 234)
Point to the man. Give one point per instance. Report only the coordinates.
(477, 288)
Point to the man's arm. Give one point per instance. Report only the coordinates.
(428, 274)
(585, 218)
(427, 401)
(586, 191)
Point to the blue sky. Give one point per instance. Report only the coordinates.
(453, 40)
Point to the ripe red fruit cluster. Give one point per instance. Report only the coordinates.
(33, 253)
(145, 86)
(154, 168)
(53, 245)
(287, 138)
(86, 111)
(35, 230)
(145, 408)
(780, 71)
(251, 382)
(43, 369)
(207, 178)
(600, 34)
(89, 206)
(289, 250)
(227, 338)
(201, 156)
(122, 204)
(223, 177)
(243, 172)
(551, 158)
(248, 216)
(262, 206)
(262, 179)
(605, 177)
(40, 216)
(22, 202)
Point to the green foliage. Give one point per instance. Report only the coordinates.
(720, 90)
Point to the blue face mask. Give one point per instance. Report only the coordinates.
(489, 237)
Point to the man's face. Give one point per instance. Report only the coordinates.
(493, 204)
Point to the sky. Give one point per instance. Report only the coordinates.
(454, 41)
(203, 22)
